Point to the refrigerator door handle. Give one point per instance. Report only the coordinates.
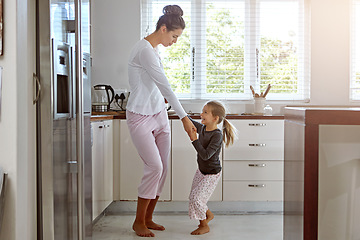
(79, 121)
(73, 99)
(38, 88)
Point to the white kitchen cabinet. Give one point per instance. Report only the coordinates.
(131, 168)
(253, 165)
(184, 165)
(102, 165)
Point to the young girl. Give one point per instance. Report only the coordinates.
(208, 147)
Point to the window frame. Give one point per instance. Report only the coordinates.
(355, 51)
(197, 42)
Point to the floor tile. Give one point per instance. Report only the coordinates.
(178, 227)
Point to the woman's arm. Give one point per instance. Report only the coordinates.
(151, 63)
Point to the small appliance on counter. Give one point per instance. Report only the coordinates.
(120, 100)
(103, 96)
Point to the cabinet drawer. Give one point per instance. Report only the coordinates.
(255, 150)
(253, 191)
(253, 170)
(259, 129)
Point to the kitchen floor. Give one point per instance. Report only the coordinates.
(225, 227)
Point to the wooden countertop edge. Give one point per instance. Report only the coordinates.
(317, 116)
(116, 115)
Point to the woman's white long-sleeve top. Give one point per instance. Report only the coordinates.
(148, 82)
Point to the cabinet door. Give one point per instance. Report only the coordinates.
(184, 165)
(253, 165)
(253, 170)
(131, 168)
(108, 163)
(256, 129)
(97, 167)
(253, 190)
(258, 140)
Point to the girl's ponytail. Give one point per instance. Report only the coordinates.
(229, 133)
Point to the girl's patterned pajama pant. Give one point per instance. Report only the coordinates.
(202, 188)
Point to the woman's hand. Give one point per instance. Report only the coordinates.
(193, 135)
(188, 125)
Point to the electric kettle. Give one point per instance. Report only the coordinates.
(101, 98)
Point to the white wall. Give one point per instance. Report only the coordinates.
(116, 27)
(8, 121)
(17, 123)
(330, 57)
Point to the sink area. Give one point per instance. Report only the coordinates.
(193, 114)
(172, 112)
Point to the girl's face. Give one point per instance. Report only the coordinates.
(207, 118)
(170, 37)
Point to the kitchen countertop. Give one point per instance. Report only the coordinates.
(99, 116)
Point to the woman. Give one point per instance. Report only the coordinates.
(147, 117)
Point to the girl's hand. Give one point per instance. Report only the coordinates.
(193, 135)
(188, 125)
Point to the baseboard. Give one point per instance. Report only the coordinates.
(173, 207)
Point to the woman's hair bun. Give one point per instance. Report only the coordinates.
(173, 10)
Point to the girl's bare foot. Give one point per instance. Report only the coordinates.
(141, 230)
(201, 230)
(155, 226)
(209, 216)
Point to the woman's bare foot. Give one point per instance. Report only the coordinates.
(141, 230)
(155, 226)
(201, 230)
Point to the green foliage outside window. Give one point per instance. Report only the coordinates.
(225, 70)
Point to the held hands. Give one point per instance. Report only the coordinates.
(189, 128)
(193, 134)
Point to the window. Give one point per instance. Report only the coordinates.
(355, 52)
(228, 45)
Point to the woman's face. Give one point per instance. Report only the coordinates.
(170, 37)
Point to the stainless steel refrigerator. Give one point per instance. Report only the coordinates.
(63, 120)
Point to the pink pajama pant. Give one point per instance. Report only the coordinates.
(151, 137)
(202, 188)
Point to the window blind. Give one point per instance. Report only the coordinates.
(355, 52)
(228, 45)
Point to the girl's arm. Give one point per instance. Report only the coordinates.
(189, 127)
(196, 124)
(210, 150)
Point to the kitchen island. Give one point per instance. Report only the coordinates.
(321, 174)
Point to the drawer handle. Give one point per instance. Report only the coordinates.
(100, 126)
(257, 144)
(257, 124)
(257, 165)
(257, 185)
